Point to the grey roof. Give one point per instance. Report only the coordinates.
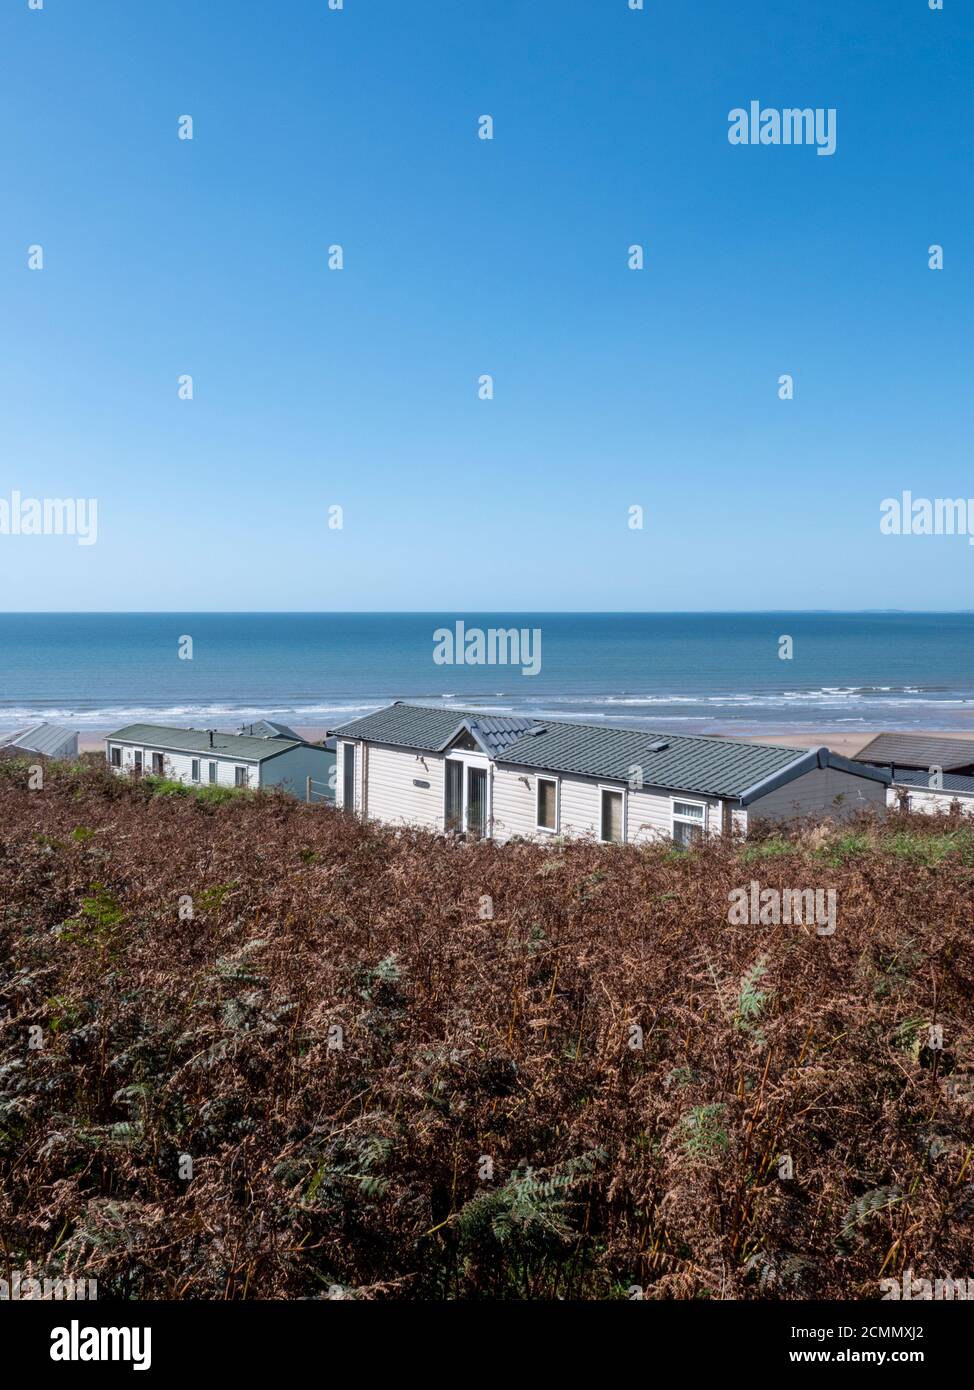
(269, 728)
(408, 726)
(917, 750)
(12, 735)
(431, 730)
(678, 762)
(711, 766)
(909, 777)
(496, 732)
(165, 738)
(42, 738)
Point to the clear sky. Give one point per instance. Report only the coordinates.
(464, 257)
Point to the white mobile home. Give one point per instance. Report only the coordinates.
(927, 773)
(204, 757)
(931, 793)
(501, 776)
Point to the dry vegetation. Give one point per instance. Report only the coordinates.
(470, 1041)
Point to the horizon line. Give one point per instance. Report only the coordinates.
(459, 612)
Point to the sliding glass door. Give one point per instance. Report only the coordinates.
(465, 798)
(477, 802)
(453, 812)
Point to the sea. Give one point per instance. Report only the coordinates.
(682, 672)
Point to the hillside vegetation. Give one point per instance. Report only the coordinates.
(375, 1063)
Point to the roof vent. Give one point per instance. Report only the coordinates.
(539, 729)
(659, 745)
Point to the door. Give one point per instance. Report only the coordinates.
(348, 777)
(477, 802)
(453, 806)
(465, 798)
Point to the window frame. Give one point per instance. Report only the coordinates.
(469, 759)
(115, 755)
(676, 819)
(556, 783)
(195, 766)
(619, 791)
(346, 746)
(241, 775)
(162, 764)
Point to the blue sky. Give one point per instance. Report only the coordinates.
(613, 387)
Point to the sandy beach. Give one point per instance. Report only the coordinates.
(846, 744)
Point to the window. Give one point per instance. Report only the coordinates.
(213, 773)
(547, 814)
(688, 821)
(158, 764)
(466, 741)
(612, 817)
(137, 756)
(195, 774)
(348, 776)
(241, 776)
(116, 757)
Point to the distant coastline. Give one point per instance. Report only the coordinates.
(850, 673)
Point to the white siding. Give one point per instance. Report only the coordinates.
(392, 792)
(289, 771)
(825, 791)
(178, 766)
(651, 813)
(929, 802)
(648, 811)
(515, 804)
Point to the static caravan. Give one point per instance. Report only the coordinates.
(42, 739)
(502, 776)
(919, 753)
(931, 793)
(204, 757)
(927, 773)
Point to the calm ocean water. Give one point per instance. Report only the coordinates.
(696, 671)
